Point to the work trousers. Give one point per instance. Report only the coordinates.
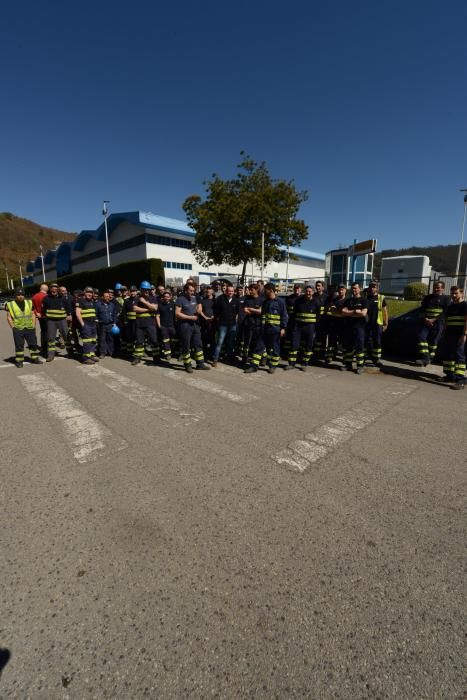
(189, 333)
(149, 332)
(27, 335)
(106, 339)
(321, 336)
(453, 354)
(251, 336)
(167, 334)
(271, 341)
(208, 337)
(43, 327)
(335, 337)
(354, 344)
(428, 338)
(303, 338)
(129, 336)
(373, 341)
(54, 327)
(88, 335)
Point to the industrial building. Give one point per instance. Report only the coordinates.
(398, 272)
(139, 235)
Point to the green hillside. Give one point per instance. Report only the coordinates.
(20, 240)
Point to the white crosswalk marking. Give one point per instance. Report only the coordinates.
(301, 453)
(206, 386)
(265, 379)
(87, 437)
(167, 408)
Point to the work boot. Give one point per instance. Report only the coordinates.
(88, 361)
(50, 358)
(458, 385)
(94, 359)
(214, 363)
(287, 367)
(189, 369)
(202, 365)
(303, 368)
(19, 365)
(135, 362)
(36, 361)
(271, 370)
(250, 370)
(359, 370)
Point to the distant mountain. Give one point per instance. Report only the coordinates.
(20, 240)
(443, 258)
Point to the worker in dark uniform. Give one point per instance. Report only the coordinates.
(186, 313)
(57, 311)
(165, 321)
(21, 318)
(354, 311)
(336, 325)
(85, 311)
(145, 325)
(320, 341)
(306, 313)
(289, 305)
(432, 312)
(326, 321)
(129, 321)
(107, 312)
(206, 319)
(377, 323)
(455, 334)
(251, 329)
(273, 322)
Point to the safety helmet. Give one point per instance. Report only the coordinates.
(115, 330)
(117, 286)
(145, 285)
(133, 288)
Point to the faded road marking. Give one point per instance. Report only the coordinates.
(167, 408)
(87, 437)
(207, 386)
(301, 453)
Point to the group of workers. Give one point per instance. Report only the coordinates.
(252, 324)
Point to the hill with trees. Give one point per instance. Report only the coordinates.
(20, 240)
(443, 258)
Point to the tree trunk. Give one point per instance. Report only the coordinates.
(242, 276)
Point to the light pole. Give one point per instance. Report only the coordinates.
(104, 212)
(459, 252)
(20, 274)
(42, 260)
(262, 254)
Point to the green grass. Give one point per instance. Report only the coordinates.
(396, 307)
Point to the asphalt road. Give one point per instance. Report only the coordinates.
(226, 536)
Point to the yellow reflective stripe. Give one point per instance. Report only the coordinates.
(131, 315)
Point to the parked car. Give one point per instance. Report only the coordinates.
(3, 302)
(401, 336)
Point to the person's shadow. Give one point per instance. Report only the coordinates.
(5, 655)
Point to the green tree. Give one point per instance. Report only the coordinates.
(229, 222)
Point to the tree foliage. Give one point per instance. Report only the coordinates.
(229, 222)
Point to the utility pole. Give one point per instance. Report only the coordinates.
(262, 254)
(104, 212)
(459, 252)
(20, 274)
(42, 260)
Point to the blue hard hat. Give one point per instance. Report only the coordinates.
(117, 286)
(115, 330)
(145, 285)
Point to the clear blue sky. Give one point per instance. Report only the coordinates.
(364, 104)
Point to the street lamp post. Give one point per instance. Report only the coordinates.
(262, 254)
(461, 242)
(7, 278)
(42, 261)
(20, 274)
(104, 212)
